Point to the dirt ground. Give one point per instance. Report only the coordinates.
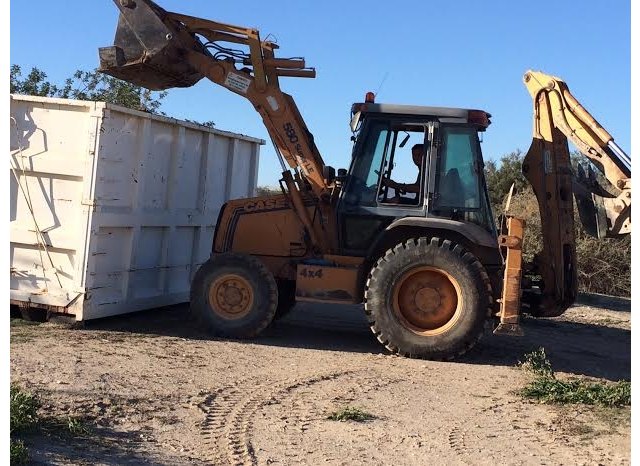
(154, 389)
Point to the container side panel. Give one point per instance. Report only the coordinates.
(186, 171)
(111, 249)
(110, 265)
(13, 197)
(31, 271)
(119, 158)
(55, 201)
(205, 241)
(48, 153)
(52, 137)
(252, 182)
(219, 173)
(183, 243)
(147, 269)
(242, 170)
(156, 171)
(106, 288)
(149, 248)
(179, 259)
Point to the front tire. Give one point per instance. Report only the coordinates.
(428, 298)
(234, 295)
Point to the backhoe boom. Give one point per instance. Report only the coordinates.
(604, 211)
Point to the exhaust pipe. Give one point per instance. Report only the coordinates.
(149, 48)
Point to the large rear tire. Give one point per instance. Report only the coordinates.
(234, 295)
(428, 298)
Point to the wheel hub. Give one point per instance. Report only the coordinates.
(231, 296)
(427, 300)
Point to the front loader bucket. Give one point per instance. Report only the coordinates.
(149, 48)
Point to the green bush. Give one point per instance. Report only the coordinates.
(537, 363)
(552, 390)
(18, 453)
(350, 413)
(23, 410)
(546, 388)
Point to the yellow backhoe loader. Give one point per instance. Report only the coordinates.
(425, 258)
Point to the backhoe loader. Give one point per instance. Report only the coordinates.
(426, 258)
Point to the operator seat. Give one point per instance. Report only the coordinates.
(451, 190)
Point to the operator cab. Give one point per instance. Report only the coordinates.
(413, 161)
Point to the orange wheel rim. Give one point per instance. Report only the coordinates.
(231, 296)
(427, 300)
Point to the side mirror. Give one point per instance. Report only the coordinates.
(355, 120)
(329, 173)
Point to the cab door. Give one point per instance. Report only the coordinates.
(382, 150)
(458, 185)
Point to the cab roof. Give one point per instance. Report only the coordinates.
(443, 114)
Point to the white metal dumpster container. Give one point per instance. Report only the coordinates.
(113, 210)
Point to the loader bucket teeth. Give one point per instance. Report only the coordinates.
(149, 48)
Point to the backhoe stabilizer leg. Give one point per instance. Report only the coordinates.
(511, 240)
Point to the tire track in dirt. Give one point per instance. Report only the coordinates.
(230, 410)
(306, 411)
(517, 427)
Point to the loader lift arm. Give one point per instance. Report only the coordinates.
(604, 211)
(158, 50)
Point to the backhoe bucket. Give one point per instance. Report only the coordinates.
(149, 48)
(590, 205)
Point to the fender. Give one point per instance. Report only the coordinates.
(475, 238)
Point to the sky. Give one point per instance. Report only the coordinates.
(455, 54)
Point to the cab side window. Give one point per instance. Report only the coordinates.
(403, 180)
(458, 177)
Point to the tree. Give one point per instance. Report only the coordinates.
(94, 85)
(33, 84)
(208, 123)
(268, 191)
(501, 177)
(87, 85)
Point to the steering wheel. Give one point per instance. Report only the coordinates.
(397, 189)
